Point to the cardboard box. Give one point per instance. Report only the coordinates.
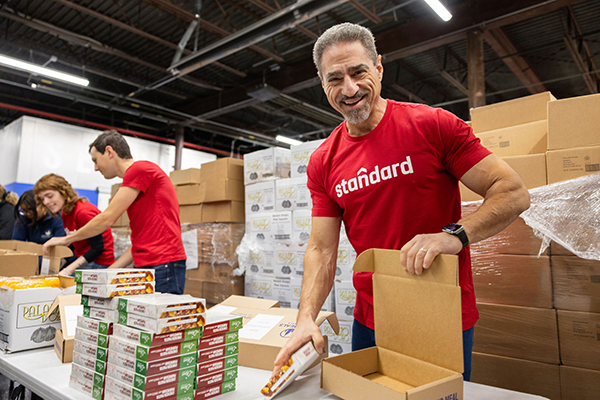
(518, 140)
(19, 258)
(89, 362)
(122, 221)
(176, 390)
(301, 226)
(215, 353)
(260, 198)
(185, 176)
(418, 353)
(216, 378)
(69, 308)
(190, 194)
(579, 383)
(512, 280)
(223, 273)
(114, 189)
(150, 339)
(269, 287)
(292, 194)
(557, 250)
(150, 383)
(219, 340)
(576, 283)
(339, 343)
(574, 122)
(222, 169)
(259, 344)
(289, 261)
(223, 190)
(87, 375)
(520, 332)
(191, 213)
(98, 302)
(512, 112)
(109, 316)
(269, 164)
(300, 156)
(145, 353)
(222, 364)
(86, 387)
(90, 350)
(116, 290)
(215, 390)
(163, 325)
(270, 227)
(162, 305)
(579, 333)
(531, 168)
(223, 211)
(572, 163)
(113, 276)
(514, 374)
(345, 260)
(150, 368)
(214, 292)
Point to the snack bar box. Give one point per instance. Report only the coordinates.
(209, 367)
(90, 350)
(216, 378)
(151, 339)
(86, 387)
(88, 375)
(93, 338)
(212, 391)
(162, 305)
(163, 325)
(117, 290)
(114, 275)
(218, 340)
(149, 368)
(94, 325)
(153, 382)
(99, 302)
(145, 353)
(174, 390)
(89, 362)
(219, 324)
(214, 353)
(102, 314)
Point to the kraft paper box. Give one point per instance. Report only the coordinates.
(572, 163)
(418, 330)
(26, 321)
(114, 189)
(578, 383)
(576, 283)
(512, 112)
(268, 164)
(19, 258)
(191, 213)
(292, 194)
(190, 194)
(574, 122)
(223, 190)
(300, 156)
(222, 169)
(69, 308)
(518, 140)
(266, 328)
(223, 211)
(579, 333)
(260, 198)
(185, 176)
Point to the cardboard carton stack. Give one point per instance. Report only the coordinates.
(123, 221)
(100, 292)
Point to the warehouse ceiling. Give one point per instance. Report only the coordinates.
(243, 72)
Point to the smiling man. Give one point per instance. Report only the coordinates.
(148, 196)
(390, 171)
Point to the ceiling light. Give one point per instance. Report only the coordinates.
(439, 9)
(36, 69)
(288, 140)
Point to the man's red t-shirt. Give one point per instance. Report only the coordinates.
(153, 216)
(83, 213)
(397, 181)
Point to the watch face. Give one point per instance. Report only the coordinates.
(452, 227)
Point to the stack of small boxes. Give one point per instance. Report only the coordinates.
(100, 290)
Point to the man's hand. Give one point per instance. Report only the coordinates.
(304, 332)
(56, 241)
(418, 254)
(68, 271)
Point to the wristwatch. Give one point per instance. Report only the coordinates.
(458, 231)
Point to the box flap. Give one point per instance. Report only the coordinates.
(250, 302)
(69, 307)
(30, 247)
(416, 315)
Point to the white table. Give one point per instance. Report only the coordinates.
(41, 372)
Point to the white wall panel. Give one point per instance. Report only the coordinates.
(10, 140)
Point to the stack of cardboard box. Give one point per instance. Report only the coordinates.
(122, 223)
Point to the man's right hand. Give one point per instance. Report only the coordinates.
(304, 332)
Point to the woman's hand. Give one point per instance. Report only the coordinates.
(56, 241)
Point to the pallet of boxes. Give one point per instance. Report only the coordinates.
(132, 343)
(278, 225)
(539, 315)
(211, 208)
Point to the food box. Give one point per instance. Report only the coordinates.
(292, 194)
(90, 350)
(218, 340)
(149, 368)
(214, 353)
(216, 378)
(94, 325)
(102, 314)
(151, 339)
(219, 324)
(95, 338)
(100, 302)
(113, 276)
(163, 325)
(300, 156)
(85, 387)
(267, 164)
(87, 375)
(89, 362)
(150, 382)
(162, 305)
(209, 367)
(172, 390)
(145, 353)
(121, 289)
(212, 391)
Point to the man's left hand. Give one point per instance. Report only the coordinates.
(418, 254)
(56, 241)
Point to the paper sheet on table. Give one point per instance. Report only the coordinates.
(221, 309)
(259, 326)
(190, 245)
(70, 314)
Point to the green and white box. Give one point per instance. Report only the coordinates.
(162, 305)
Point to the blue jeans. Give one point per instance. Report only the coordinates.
(170, 277)
(363, 337)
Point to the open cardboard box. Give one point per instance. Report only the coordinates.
(270, 329)
(418, 331)
(69, 307)
(19, 258)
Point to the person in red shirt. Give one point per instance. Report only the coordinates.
(59, 197)
(148, 196)
(390, 171)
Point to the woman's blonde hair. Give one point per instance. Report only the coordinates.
(60, 184)
(10, 197)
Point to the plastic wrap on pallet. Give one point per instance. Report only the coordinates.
(217, 242)
(121, 240)
(568, 213)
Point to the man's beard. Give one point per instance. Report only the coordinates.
(359, 115)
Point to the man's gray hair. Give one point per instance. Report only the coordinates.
(344, 33)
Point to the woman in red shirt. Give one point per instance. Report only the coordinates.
(59, 197)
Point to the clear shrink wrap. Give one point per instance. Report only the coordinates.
(121, 240)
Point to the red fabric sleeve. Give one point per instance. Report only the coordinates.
(323, 206)
(136, 178)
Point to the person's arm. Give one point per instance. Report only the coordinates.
(319, 273)
(505, 198)
(95, 251)
(101, 222)
(124, 261)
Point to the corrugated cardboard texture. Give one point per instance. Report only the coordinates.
(114, 189)
(214, 292)
(221, 169)
(517, 238)
(579, 339)
(519, 332)
(512, 280)
(409, 309)
(514, 374)
(185, 176)
(576, 283)
(531, 168)
(223, 190)
(557, 250)
(191, 213)
(574, 122)
(190, 194)
(572, 163)
(223, 211)
(512, 112)
(517, 140)
(18, 258)
(579, 383)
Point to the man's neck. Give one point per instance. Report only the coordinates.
(371, 123)
(123, 165)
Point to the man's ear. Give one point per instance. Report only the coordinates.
(111, 152)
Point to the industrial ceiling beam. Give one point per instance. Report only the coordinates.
(454, 81)
(476, 68)
(265, 7)
(365, 11)
(505, 49)
(580, 51)
(411, 96)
